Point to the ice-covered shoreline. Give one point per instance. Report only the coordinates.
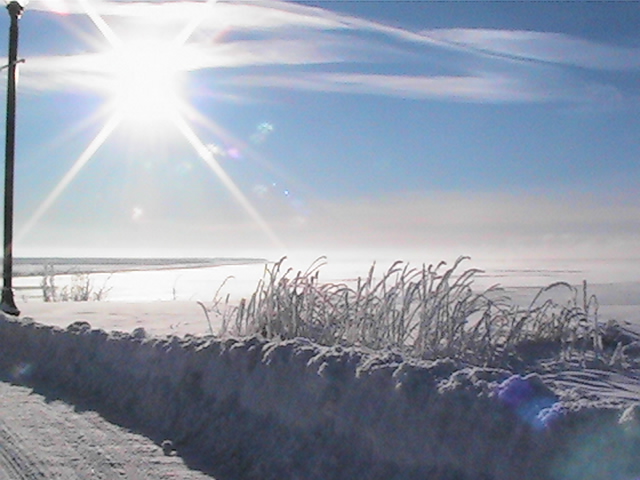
(259, 409)
(38, 266)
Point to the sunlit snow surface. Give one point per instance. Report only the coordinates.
(251, 408)
(257, 409)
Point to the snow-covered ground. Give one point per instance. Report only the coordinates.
(256, 409)
(251, 408)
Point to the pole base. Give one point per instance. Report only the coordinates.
(8, 304)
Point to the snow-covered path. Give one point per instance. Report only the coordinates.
(43, 439)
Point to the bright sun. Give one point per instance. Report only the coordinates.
(143, 80)
(146, 88)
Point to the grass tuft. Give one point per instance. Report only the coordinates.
(428, 312)
(81, 288)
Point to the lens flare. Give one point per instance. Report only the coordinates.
(136, 213)
(530, 400)
(262, 132)
(205, 153)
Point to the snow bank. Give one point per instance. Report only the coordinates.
(294, 410)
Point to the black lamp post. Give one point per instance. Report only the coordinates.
(8, 304)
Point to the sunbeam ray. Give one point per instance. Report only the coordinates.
(188, 30)
(82, 160)
(202, 150)
(248, 151)
(180, 123)
(304, 193)
(74, 130)
(101, 25)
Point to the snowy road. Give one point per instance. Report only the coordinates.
(42, 439)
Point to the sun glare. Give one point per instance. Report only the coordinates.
(145, 95)
(146, 87)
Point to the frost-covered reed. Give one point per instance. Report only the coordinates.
(428, 312)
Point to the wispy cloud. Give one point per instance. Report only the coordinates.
(475, 65)
(490, 87)
(541, 47)
(92, 71)
(64, 73)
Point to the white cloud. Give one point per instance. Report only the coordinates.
(494, 87)
(541, 47)
(64, 73)
(119, 8)
(92, 71)
(489, 65)
(211, 14)
(268, 52)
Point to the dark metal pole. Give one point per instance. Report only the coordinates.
(8, 304)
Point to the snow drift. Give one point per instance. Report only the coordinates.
(255, 409)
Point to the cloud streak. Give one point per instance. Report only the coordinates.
(496, 88)
(489, 65)
(543, 47)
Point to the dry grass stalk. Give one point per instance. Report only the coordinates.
(427, 312)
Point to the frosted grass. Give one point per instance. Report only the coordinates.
(427, 312)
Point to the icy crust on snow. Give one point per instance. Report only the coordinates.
(255, 409)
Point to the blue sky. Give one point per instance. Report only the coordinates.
(407, 129)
